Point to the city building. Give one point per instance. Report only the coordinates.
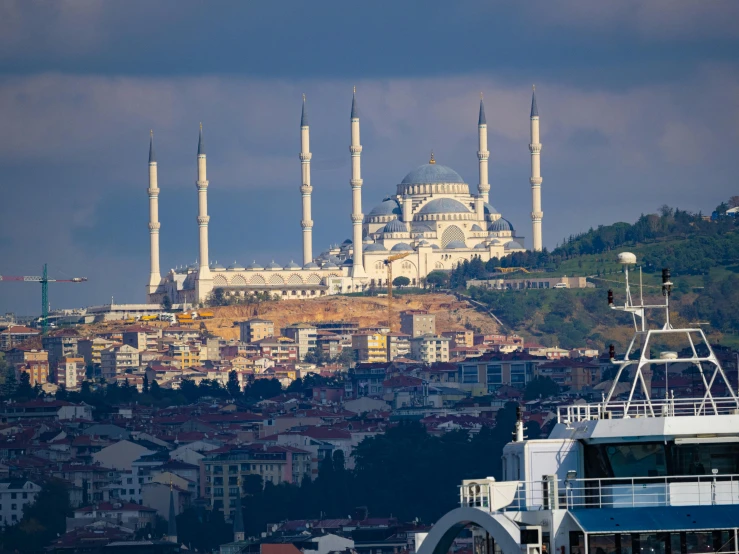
(256, 329)
(432, 215)
(142, 338)
(304, 336)
(118, 359)
(417, 323)
(60, 344)
(225, 471)
(280, 349)
(398, 345)
(16, 334)
(22, 356)
(38, 372)
(70, 372)
(489, 372)
(572, 374)
(15, 494)
(330, 344)
(90, 349)
(430, 349)
(463, 337)
(531, 283)
(369, 347)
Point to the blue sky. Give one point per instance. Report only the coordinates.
(638, 105)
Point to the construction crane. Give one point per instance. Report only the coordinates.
(44, 280)
(389, 264)
(511, 269)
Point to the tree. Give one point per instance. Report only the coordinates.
(734, 202)
(541, 387)
(401, 281)
(438, 279)
(263, 389)
(156, 391)
(145, 386)
(166, 303)
(233, 387)
(25, 390)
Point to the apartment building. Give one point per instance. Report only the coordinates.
(14, 335)
(304, 336)
(61, 344)
(486, 373)
(70, 372)
(224, 473)
(118, 359)
(430, 349)
(14, 495)
(38, 372)
(398, 346)
(142, 338)
(417, 323)
(281, 349)
(463, 337)
(256, 329)
(369, 347)
(90, 349)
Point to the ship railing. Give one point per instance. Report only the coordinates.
(616, 492)
(666, 407)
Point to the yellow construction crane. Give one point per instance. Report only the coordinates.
(389, 264)
(511, 269)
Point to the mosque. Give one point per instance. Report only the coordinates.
(433, 218)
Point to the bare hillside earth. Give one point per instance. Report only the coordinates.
(450, 313)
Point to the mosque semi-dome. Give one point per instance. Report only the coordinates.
(402, 247)
(389, 206)
(501, 224)
(513, 245)
(395, 226)
(375, 247)
(489, 209)
(432, 174)
(475, 227)
(444, 206)
(455, 244)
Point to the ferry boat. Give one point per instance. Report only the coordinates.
(631, 474)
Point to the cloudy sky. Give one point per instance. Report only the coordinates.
(639, 105)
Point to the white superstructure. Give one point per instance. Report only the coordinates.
(626, 475)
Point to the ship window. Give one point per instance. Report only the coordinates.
(602, 544)
(700, 459)
(653, 543)
(626, 460)
(699, 542)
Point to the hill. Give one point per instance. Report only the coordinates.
(702, 255)
(451, 314)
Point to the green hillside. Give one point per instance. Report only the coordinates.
(703, 257)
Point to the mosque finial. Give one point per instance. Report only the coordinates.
(152, 157)
(534, 108)
(481, 119)
(355, 113)
(432, 160)
(304, 115)
(201, 142)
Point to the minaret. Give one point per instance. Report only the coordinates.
(154, 276)
(202, 184)
(305, 188)
(535, 149)
(356, 182)
(172, 521)
(239, 519)
(482, 153)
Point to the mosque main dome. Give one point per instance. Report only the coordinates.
(432, 173)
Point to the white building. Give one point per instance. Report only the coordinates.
(117, 359)
(304, 336)
(14, 495)
(432, 217)
(430, 349)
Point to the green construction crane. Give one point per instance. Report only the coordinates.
(44, 280)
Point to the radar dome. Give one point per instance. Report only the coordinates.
(626, 258)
